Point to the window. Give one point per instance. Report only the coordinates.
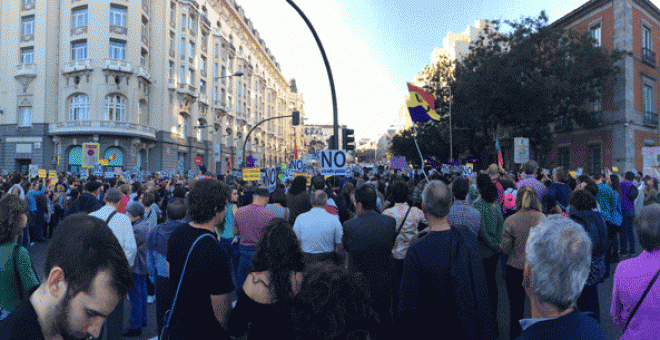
(205, 42)
(215, 70)
(117, 16)
(564, 157)
(202, 86)
(25, 116)
(171, 69)
(117, 50)
(182, 74)
(191, 49)
(596, 34)
(28, 25)
(202, 64)
(172, 12)
(145, 27)
(191, 76)
(28, 2)
(79, 50)
(223, 95)
(192, 24)
(79, 17)
(115, 108)
(647, 45)
(172, 37)
(27, 55)
(217, 50)
(183, 47)
(183, 125)
(648, 99)
(595, 164)
(596, 103)
(215, 93)
(79, 107)
(183, 21)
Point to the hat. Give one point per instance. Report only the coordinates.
(135, 208)
(92, 186)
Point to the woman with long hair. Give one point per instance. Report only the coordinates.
(297, 199)
(13, 219)
(274, 279)
(227, 238)
(514, 237)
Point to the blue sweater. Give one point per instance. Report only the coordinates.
(575, 325)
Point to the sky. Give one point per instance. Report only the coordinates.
(373, 46)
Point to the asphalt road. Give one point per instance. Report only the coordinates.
(38, 253)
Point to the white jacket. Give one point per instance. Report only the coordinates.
(123, 230)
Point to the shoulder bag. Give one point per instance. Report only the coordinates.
(632, 314)
(18, 281)
(398, 230)
(167, 331)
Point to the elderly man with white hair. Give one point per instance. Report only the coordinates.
(558, 258)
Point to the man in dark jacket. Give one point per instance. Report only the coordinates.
(368, 240)
(88, 201)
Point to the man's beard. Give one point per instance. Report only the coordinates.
(62, 326)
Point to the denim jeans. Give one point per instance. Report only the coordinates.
(244, 264)
(138, 296)
(627, 235)
(233, 252)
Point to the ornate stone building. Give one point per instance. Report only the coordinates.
(156, 82)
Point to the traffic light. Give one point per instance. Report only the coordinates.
(295, 118)
(331, 142)
(348, 139)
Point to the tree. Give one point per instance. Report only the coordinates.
(522, 82)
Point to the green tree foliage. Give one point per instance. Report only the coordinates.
(521, 82)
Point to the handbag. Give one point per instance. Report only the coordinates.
(640, 300)
(398, 230)
(167, 331)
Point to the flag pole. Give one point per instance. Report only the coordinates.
(420, 152)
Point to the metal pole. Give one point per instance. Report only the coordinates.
(335, 119)
(252, 129)
(451, 139)
(420, 152)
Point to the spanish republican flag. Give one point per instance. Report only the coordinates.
(421, 105)
(500, 159)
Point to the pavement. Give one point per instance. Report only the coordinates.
(38, 253)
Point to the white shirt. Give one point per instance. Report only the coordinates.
(122, 228)
(318, 231)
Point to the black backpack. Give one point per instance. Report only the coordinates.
(633, 193)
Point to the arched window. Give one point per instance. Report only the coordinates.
(115, 158)
(115, 108)
(183, 125)
(75, 158)
(79, 107)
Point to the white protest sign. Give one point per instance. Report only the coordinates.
(333, 162)
(446, 169)
(521, 150)
(270, 179)
(296, 165)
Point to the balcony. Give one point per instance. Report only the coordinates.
(102, 127)
(78, 30)
(185, 88)
(77, 65)
(145, 40)
(203, 98)
(220, 105)
(144, 72)
(27, 37)
(172, 23)
(25, 70)
(145, 6)
(202, 72)
(172, 54)
(651, 119)
(117, 65)
(206, 21)
(118, 29)
(648, 56)
(27, 6)
(171, 83)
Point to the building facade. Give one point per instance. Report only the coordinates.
(156, 83)
(629, 105)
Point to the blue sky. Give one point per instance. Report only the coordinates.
(374, 48)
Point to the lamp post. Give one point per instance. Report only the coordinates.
(335, 120)
(451, 139)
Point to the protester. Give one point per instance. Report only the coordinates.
(490, 233)
(555, 201)
(529, 171)
(17, 180)
(607, 201)
(126, 190)
(148, 200)
(650, 190)
(274, 279)
(297, 199)
(617, 216)
(203, 302)
(558, 256)
(277, 203)
(368, 241)
(633, 277)
(320, 232)
(514, 237)
(582, 211)
(227, 238)
(446, 257)
(14, 259)
(629, 193)
(86, 275)
(138, 292)
(461, 213)
(249, 221)
(333, 304)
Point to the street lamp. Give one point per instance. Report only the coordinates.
(237, 74)
(451, 140)
(217, 146)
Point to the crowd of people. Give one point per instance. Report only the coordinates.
(368, 257)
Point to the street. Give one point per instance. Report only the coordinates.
(38, 253)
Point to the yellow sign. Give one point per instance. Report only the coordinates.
(52, 173)
(251, 174)
(403, 172)
(308, 177)
(615, 169)
(42, 173)
(391, 172)
(103, 161)
(572, 173)
(53, 181)
(470, 165)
